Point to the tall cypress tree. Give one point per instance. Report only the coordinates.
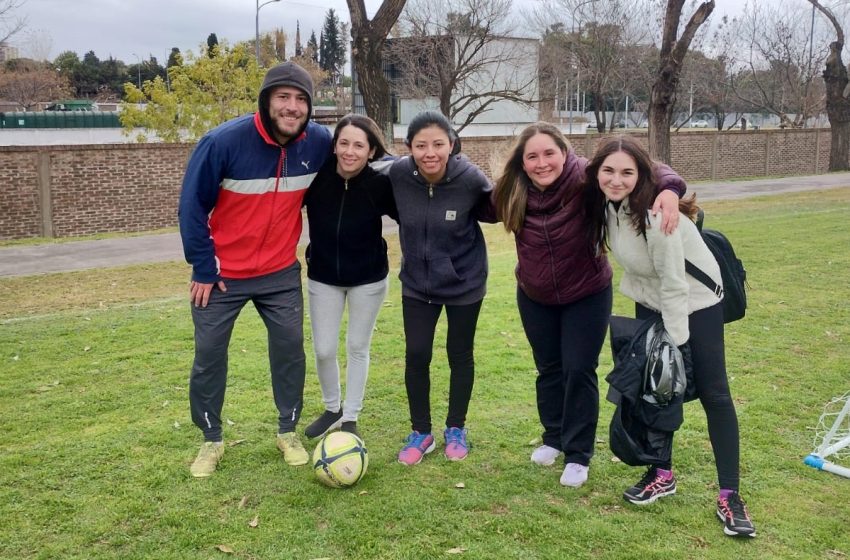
(298, 50)
(212, 41)
(313, 47)
(332, 49)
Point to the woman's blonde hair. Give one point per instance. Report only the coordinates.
(511, 191)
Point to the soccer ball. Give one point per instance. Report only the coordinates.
(340, 460)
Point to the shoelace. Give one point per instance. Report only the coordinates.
(416, 440)
(650, 476)
(454, 437)
(735, 506)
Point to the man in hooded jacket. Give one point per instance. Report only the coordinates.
(240, 222)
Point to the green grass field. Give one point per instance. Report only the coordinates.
(96, 436)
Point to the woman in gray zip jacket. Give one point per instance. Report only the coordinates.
(444, 264)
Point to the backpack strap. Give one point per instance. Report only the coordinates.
(694, 271)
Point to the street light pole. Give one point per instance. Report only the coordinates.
(257, 27)
(577, 36)
(139, 69)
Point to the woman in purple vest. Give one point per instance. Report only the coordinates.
(564, 286)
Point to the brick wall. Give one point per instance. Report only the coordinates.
(64, 191)
(20, 216)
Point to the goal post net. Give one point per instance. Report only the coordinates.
(832, 438)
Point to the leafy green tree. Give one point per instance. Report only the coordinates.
(205, 91)
(313, 48)
(332, 46)
(212, 42)
(87, 79)
(113, 74)
(175, 58)
(69, 66)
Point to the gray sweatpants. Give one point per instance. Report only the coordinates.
(279, 301)
(327, 303)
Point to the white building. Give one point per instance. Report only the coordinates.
(503, 64)
(8, 52)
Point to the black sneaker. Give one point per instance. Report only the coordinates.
(350, 427)
(323, 424)
(732, 511)
(650, 488)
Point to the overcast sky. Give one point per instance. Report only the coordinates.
(127, 29)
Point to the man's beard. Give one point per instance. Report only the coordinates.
(284, 136)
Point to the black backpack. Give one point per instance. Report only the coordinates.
(732, 272)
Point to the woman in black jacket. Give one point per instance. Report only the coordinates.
(346, 262)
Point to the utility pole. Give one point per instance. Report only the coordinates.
(257, 27)
(139, 69)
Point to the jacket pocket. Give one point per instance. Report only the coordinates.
(443, 279)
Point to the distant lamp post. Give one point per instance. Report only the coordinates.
(139, 69)
(577, 34)
(257, 27)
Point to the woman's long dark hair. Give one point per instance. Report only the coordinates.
(641, 198)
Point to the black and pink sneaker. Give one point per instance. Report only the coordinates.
(651, 487)
(732, 511)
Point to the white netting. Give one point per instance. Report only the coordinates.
(832, 434)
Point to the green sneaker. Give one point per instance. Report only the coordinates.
(207, 459)
(293, 452)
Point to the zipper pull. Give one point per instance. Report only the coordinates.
(346, 184)
(430, 191)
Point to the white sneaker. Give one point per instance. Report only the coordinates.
(574, 475)
(545, 455)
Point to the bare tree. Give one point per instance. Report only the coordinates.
(674, 47)
(596, 46)
(837, 96)
(10, 24)
(37, 44)
(778, 66)
(27, 82)
(458, 52)
(367, 54)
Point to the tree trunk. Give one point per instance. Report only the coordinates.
(840, 146)
(662, 99)
(672, 55)
(368, 63)
(367, 53)
(837, 108)
(837, 104)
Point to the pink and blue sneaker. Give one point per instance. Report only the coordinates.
(416, 445)
(456, 447)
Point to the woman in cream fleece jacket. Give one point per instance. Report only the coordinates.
(619, 193)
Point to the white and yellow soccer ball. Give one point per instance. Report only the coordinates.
(340, 459)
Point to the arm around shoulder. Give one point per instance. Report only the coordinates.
(669, 179)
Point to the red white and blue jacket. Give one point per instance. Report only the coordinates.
(240, 206)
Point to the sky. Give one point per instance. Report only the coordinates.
(131, 30)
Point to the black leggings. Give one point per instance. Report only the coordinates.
(712, 388)
(420, 322)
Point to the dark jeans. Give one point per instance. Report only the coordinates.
(277, 298)
(712, 387)
(420, 322)
(566, 340)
